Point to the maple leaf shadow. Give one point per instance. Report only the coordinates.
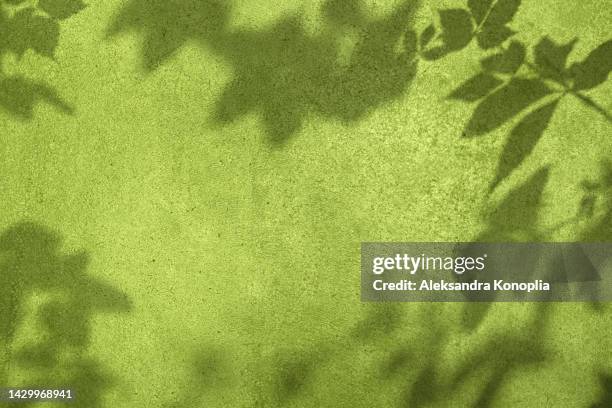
(27, 28)
(282, 72)
(50, 294)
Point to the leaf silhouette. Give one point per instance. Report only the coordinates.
(522, 140)
(476, 87)
(427, 35)
(435, 53)
(502, 13)
(61, 9)
(507, 62)
(493, 36)
(168, 26)
(479, 9)
(410, 41)
(283, 72)
(517, 215)
(27, 30)
(19, 96)
(601, 229)
(551, 58)
(457, 28)
(494, 30)
(595, 68)
(505, 103)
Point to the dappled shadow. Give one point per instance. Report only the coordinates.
(418, 367)
(596, 206)
(485, 21)
(605, 380)
(294, 373)
(288, 373)
(30, 28)
(504, 91)
(488, 366)
(210, 372)
(509, 84)
(381, 320)
(514, 219)
(512, 87)
(47, 303)
(282, 72)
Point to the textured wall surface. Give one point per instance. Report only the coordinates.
(185, 186)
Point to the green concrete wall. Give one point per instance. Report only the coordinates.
(185, 185)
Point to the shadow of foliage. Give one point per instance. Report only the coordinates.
(380, 321)
(606, 397)
(596, 206)
(484, 20)
(210, 371)
(504, 90)
(65, 300)
(514, 219)
(30, 27)
(509, 84)
(283, 73)
(294, 373)
(489, 365)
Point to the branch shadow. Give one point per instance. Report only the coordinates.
(65, 301)
(509, 84)
(283, 73)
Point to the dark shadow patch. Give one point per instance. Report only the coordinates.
(32, 265)
(596, 206)
(295, 372)
(605, 401)
(210, 372)
(31, 28)
(380, 320)
(489, 366)
(283, 73)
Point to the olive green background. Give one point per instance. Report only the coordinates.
(220, 250)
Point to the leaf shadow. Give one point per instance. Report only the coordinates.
(488, 367)
(66, 300)
(509, 85)
(31, 28)
(485, 21)
(514, 219)
(605, 400)
(283, 73)
(599, 228)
